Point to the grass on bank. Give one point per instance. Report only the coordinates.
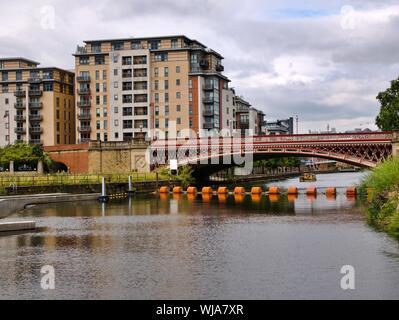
(383, 207)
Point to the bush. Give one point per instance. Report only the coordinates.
(382, 211)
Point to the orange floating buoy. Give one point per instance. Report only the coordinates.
(331, 191)
(192, 190)
(256, 197)
(239, 197)
(207, 197)
(274, 197)
(351, 191)
(274, 190)
(311, 191)
(164, 190)
(223, 190)
(222, 198)
(256, 190)
(292, 190)
(177, 189)
(239, 190)
(207, 190)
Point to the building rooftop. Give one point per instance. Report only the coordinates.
(19, 59)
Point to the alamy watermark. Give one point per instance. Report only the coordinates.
(47, 281)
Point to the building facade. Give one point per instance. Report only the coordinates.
(249, 120)
(278, 127)
(149, 88)
(36, 104)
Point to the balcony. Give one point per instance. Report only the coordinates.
(209, 125)
(84, 116)
(19, 117)
(84, 104)
(219, 68)
(35, 141)
(83, 78)
(84, 91)
(36, 130)
(35, 117)
(20, 93)
(204, 64)
(19, 105)
(208, 112)
(35, 105)
(20, 130)
(34, 80)
(84, 129)
(35, 93)
(208, 100)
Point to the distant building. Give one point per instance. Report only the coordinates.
(37, 104)
(278, 127)
(249, 119)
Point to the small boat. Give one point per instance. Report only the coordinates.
(306, 177)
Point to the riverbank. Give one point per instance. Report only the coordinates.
(383, 205)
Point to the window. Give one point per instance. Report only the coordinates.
(154, 44)
(178, 95)
(97, 87)
(116, 110)
(178, 120)
(105, 124)
(156, 85)
(174, 43)
(104, 74)
(105, 99)
(98, 124)
(177, 82)
(117, 45)
(166, 123)
(126, 86)
(190, 110)
(98, 114)
(156, 123)
(96, 48)
(116, 122)
(140, 98)
(166, 97)
(115, 58)
(116, 135)
(83, 60)
(7, 101)
(126, 73)
(47, 86)
(190, 83)
(177, 69)
(178, 108)
(190, 96)
(140, 72)
(166, 72)
(156, 72)
(127, 98)
(156, 97)
(127, 124)
(115, 72)
(136, 45)
(161, 56)
(127, 111)
(126, 61)
(4, 76)
(98, 100)
(166, 110)
(156, 110)
(115, 84)
(18, 75)
(105, 112)
(166, 84)
(100, 60)
(116, 97)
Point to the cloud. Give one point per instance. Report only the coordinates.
(311, 58)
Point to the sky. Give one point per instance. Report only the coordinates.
(324, 61)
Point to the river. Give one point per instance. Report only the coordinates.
(177, 247)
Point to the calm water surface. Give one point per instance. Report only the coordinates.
(200, 248)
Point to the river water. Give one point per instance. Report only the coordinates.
(173, 247)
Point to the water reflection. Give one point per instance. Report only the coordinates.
(195, 247)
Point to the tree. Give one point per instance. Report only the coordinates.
(22, 153)
(388, 118)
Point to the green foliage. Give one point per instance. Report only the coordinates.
(184, 175)
(22, 153)
(278, 162)
(388, 118)
(382, 211)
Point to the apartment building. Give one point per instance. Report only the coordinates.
(36, 104)
(250, 121)
(285, 126)
(148, 88)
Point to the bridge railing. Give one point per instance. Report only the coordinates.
(372, 136)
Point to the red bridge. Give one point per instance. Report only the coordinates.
(360, 149)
